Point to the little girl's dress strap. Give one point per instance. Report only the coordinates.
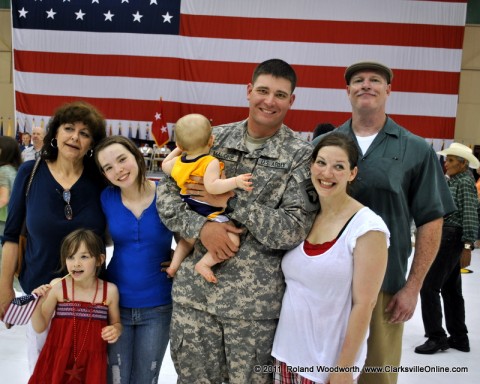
(105, 285)
(65, 292)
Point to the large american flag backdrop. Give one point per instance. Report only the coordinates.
(198, 55)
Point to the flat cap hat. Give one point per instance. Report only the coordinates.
(372, 65)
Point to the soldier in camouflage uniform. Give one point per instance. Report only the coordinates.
(224, 332)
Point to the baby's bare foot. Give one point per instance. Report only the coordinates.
(206, 272)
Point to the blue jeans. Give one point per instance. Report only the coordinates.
(138, 354)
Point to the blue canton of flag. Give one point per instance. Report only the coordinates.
(20, 310)
(134, 16)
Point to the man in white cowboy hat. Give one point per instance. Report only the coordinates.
(399, 178)
(458, 236)
(461, 150)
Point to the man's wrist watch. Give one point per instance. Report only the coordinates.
(231, 204)
(469, 246)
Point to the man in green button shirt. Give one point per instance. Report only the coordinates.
(399, 178)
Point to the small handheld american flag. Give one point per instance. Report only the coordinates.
(20, 310)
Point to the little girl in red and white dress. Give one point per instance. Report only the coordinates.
(85, 316)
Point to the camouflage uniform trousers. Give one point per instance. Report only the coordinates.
(208, 349)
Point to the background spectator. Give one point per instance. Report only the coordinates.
(9, 162)
(33, 151)
(322, 128)
(26, 138)
(459, 233)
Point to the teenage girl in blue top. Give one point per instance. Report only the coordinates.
(141, 244)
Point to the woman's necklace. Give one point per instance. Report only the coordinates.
(76, 372)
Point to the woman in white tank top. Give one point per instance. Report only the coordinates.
(333, 277)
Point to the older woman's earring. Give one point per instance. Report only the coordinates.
(90, 152)
(53, 143)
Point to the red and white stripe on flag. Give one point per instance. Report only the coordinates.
(20, 310)
(203, 63)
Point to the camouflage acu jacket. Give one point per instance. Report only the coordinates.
(276, 216)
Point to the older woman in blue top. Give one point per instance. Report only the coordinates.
(64, 196)
(141, 244)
